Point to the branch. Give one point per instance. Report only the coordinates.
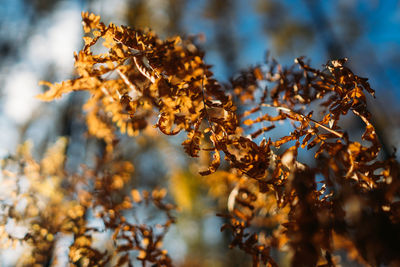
(340, 135)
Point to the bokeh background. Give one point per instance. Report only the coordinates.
(38, 38)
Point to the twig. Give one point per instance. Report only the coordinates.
(131, 85)
(340, 135)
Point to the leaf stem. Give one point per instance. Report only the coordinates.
(338, 134)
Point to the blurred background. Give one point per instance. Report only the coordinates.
(38, 38)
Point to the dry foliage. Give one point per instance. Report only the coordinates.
(46, 212)
(343, 199)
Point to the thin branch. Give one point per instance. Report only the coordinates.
(130, 85)
(340, 135)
